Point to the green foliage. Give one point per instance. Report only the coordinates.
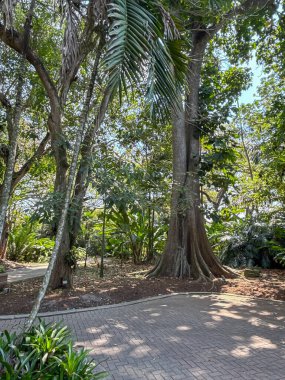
(45, 352)
(2, 269)
(25, 244)
(249, 243)
(129, 233)
(137, 41)
(47, 210)
(242, 163)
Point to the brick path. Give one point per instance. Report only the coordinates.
(184, 337)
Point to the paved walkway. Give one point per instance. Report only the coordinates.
(184, 337)
(22, 274)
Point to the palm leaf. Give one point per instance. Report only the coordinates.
(129, 42)
(138, 52)
(166, 74)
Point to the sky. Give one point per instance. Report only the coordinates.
(249, 95)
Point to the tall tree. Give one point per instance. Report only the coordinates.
(78, 40)
(124, 63)
(188, 252)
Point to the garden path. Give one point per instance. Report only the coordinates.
(26, 273)
(181, 337)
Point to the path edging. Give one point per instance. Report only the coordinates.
(129, 303)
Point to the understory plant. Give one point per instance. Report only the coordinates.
(250, 243)
(45, 352)
(25, 244)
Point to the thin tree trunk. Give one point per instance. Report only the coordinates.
(61, 231)
(149, 253)
(63, 267)
(40, 151)
(62, 273)
(152, 233)
(4, 241)
(103, 241)
(8, 177)
(17, 176)
(6, 187)
(81, 183)
(251, 207)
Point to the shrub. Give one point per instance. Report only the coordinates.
(25, 245)
(254, 244)
(45, 352)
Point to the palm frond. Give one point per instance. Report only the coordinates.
(138, 51)
(130, 34)
(166, 75)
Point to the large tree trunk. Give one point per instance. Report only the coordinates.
(188, 252)
(62, 274)
(174, 261)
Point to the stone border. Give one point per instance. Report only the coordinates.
(129, 303)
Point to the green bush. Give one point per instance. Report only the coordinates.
(251, 244)
(24, 245)
(45, 352)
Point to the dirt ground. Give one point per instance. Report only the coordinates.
(127, 282)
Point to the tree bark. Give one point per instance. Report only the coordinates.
(4, 241)
(38, 154)
(58, 272)
(64, 263)
(57, 97)
(188, 252)
(81, 183)
(174, 261)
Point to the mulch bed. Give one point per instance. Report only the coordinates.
(127, 283)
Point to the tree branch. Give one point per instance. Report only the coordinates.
(245, 9)
(207, 196)
(17, 176)
(15, 40)
(9, 114)
(5, 102)
(87, 43)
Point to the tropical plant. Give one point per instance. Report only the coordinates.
(25, 243)
(45, 352)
